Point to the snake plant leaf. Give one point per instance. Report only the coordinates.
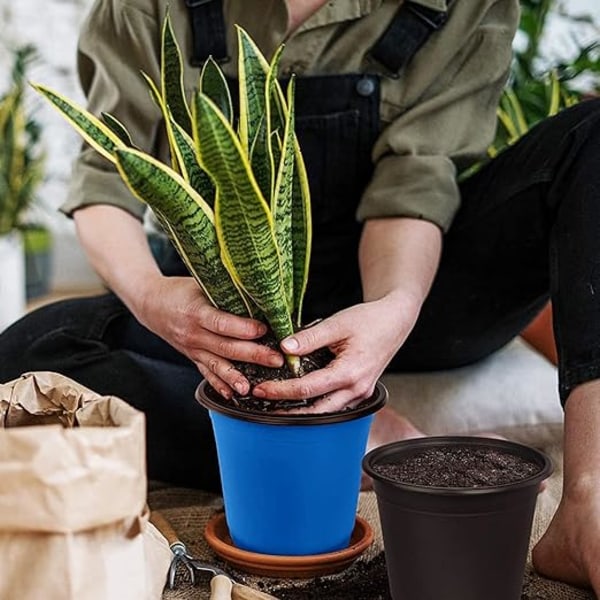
(255, 112)
(180, 247)
(191, 221)
(214, 85)
(276, 116)
(117, 128)
(158, 99)
(301, 207)
(281, 203)
(92, 129)
(252, 69)
(181, 145)
(301, 231)
(243, 221)
(171, 76)
(193, 172)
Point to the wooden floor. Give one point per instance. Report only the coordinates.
(63, 294)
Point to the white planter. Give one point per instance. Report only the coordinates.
(12, 279)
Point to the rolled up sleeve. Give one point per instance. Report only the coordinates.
(446, 129)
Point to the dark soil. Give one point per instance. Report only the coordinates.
(462, 466)
(362, 581)
(257, 374)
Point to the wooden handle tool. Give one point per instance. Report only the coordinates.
(220, 587)
(243, 592)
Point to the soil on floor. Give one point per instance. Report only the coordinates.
(362, 581)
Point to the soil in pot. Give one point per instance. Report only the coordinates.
(459, 467)
(256, 374)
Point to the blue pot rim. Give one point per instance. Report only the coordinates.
(215, 402)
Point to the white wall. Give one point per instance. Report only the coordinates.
(52, 26)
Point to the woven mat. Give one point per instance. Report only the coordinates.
(189, 510)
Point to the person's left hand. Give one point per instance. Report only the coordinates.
(363, 338)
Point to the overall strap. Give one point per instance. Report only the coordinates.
(409, 30)
(209, 33)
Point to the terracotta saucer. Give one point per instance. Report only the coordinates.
(270, 565)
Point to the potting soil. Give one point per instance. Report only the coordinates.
(456, 466)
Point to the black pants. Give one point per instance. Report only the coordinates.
(528, 229)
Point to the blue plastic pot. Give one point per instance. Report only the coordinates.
(290, 482)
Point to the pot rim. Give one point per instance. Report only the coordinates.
(381, 453)
(365, 408)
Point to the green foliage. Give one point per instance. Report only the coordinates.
(536, 88)
(21, 161)
(234, 200)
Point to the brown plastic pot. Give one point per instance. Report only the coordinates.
(454, 543)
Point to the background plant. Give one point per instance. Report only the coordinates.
(21, 157)
(539, 87)
(234, 199)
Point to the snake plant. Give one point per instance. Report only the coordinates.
(21, 161)
(234, 199)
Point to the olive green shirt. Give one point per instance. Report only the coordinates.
(437, 118)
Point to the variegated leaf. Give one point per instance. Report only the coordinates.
(281, 205)
(171, 75)
(158, 99)
(117, 128)
(242, 217)
(191, 221)
(183, 151)
(92, 129)
(276, 115)
(188, 159)
(214, 85)
(301, 231)
(252, 69)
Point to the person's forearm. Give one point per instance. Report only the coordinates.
(399, 258)
(117, 248)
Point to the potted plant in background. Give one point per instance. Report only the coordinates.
(235, 203)
(458, 507)
(21, 172)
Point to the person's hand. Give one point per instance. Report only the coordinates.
(363, 338)
(176, 310)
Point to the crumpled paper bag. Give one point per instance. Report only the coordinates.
(73, 514)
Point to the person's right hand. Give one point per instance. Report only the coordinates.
(176, 309)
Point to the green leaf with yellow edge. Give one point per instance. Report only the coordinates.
(183, 151)
(252, 69)
(301, 231)
(92, 129)
(214, 85)
(281, 204)
(186, 153)
(275, 120)
(171, 76)
(191, 222)
(242, 217)
(117, 128)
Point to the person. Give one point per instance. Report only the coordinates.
(412, 267)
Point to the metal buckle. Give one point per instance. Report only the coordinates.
(434, 19)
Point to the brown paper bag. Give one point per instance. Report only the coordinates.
(73, 516)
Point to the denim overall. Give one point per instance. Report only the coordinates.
(528, 226)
